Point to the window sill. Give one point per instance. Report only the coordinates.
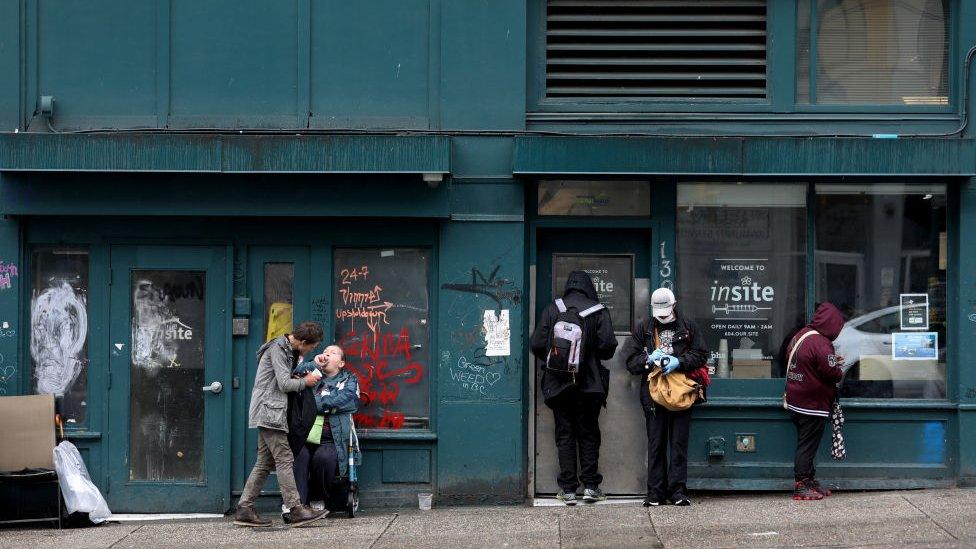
(851, 403)
(401, 435)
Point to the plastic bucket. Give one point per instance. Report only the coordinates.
(424, 500)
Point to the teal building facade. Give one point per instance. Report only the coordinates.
(181, 181)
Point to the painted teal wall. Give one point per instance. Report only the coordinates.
(10, 82)
(460, 67)
(12, 380)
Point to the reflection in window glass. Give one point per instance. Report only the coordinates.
(166, 375)
(876, 246)
(382, 324)
(874, 51)
(279, 299)
(59, 327)
(742, 271)
(595, 198)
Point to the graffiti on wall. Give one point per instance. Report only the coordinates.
(380, 311)
(483, 344)
(7, 272)
(59, 326)
(498, 288)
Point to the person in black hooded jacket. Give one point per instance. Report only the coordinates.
(679, 339)
(576, 403)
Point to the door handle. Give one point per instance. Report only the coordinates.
(214, 387)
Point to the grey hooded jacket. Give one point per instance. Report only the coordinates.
(269, 401)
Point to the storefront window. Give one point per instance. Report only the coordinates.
(279, 299)
(742, 252)
(382, 324)
(59, 327)
(612, 198)
(873, 52)
(881, 259)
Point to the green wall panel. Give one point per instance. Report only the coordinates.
(242, 195)
(98, 61)
(234, 63)
(406, 466)
(480, 410)
(480, 453)
(964, 328)
(10, 66)
(481, 274)
(369, 64)
(492, 199)
(12, 379)
(483, 64)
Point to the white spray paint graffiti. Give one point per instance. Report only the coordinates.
(474, 377)
(59, 326)
(151, 317)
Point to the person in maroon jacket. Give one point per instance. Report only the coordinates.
(812, 375)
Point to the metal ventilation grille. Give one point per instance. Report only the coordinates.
(623, 50)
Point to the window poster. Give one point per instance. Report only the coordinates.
(914, 346)
(914, 312)
(613, 277)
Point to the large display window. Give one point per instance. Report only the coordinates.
(880, 257)
(882, 260)
(742, 259)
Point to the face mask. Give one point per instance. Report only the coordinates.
(665, 319)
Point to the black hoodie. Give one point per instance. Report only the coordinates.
(599, 341)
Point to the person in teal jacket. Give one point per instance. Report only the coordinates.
(325, 452)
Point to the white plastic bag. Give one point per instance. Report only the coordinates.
(80, 494)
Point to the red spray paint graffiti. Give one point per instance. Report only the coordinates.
(382, 362)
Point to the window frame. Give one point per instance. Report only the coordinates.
(781, 57)
(770, 390)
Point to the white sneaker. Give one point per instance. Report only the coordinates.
(317, 505)
(284, 508)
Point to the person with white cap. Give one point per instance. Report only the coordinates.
(674, 343)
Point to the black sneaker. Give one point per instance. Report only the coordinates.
(651, 501)
(680, 500)
(593, 495)
(569, 498)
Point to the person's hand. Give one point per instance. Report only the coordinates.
(672, 364)
(320, 360)
(655, 356)
(312, 378)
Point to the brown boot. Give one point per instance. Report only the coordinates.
(247, 516)
(302, 515)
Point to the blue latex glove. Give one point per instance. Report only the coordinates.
(655, 356)
(672, 364)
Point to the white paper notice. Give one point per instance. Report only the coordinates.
(498, 335)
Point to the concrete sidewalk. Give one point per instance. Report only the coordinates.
(922, 518)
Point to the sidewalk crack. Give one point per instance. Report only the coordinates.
(120, 540)
(935, 522)
(388, 525)
(654, 528)
(559, 530)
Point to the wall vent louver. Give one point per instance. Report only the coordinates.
(638, 50)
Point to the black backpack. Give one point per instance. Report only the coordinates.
(567, 338)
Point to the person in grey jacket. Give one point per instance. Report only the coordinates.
(268, 413)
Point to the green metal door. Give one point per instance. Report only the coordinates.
(278, 282)
(169, 403)
(618, 261)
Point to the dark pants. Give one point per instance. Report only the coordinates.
(316, 466)
(809, 431)
(577, 418)
(667, 430)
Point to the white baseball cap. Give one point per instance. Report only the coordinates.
(662, 302)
